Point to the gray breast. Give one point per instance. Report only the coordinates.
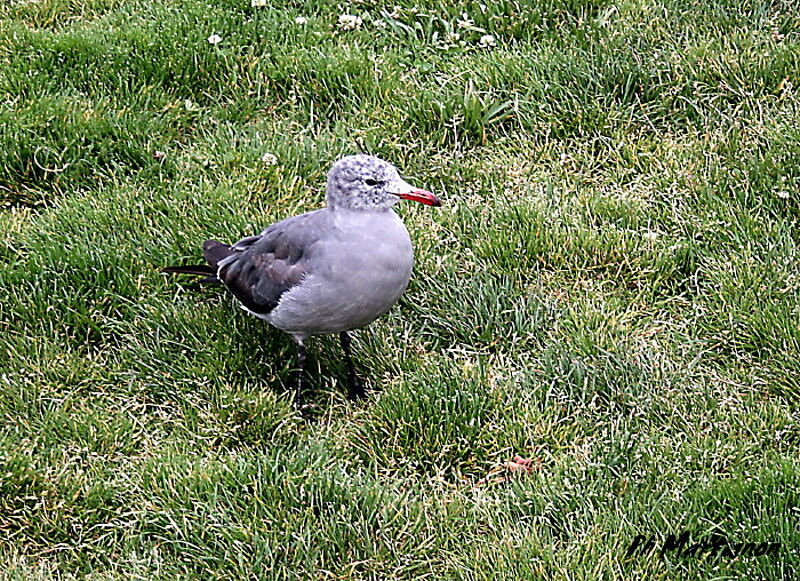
(358, 274)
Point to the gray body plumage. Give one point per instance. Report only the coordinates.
(325, 271)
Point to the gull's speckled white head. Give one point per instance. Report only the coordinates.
(365, 182)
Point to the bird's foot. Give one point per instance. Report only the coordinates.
(300, 390)
(301, 385)
(355, 388)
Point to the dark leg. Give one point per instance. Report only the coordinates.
(301, 382)
(355, 389)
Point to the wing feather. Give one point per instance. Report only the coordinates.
(262, 268)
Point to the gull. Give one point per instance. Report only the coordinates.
(331, 270)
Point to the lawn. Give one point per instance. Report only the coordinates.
(611, 289)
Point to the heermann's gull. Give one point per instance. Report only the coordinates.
(327, 271)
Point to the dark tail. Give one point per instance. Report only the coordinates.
(213, 252)
(209, 275)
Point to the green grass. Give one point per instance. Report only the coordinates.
(612, 288)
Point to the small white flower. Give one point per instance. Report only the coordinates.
(452, 37)
(380, 24)
(465, 21)
(258, 3)
(189, 105)
(158, 155)
(650, 236)
(349, 21)
(487, 41)
(269, 159)
(783, 194)
(300, 20)
(214, 39)
(396, 12)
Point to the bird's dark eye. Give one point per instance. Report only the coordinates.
(371, 182)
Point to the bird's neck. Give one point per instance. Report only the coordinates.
(359, 210)
(376, 219)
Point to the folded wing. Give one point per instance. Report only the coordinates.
(258, 270)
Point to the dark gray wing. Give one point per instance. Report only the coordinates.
(261, 268)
